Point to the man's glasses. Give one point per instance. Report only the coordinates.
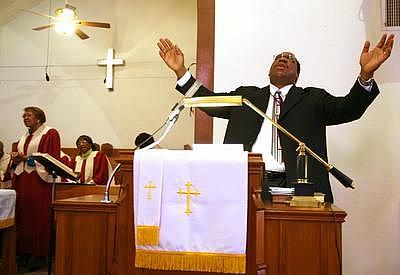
(288, 56)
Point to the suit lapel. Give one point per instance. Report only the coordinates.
(292, 98)
(260, 98)
(265, 94)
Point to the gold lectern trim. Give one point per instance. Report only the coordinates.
(212, 101)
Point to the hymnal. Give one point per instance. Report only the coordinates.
(54, 165)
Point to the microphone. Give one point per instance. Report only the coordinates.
(179, 106)
(175, 111)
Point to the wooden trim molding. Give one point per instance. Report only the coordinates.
(203, 128)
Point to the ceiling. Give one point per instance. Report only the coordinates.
(9, 9)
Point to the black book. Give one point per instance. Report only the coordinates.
(54, 165)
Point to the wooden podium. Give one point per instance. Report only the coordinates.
(8, 265)
(85, 235)
(280, 240)
(303, 240)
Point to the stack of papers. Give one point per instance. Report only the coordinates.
(281, 191)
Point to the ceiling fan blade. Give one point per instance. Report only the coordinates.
(93, 24)
(81, 34)
(37, 13)
(43, 27)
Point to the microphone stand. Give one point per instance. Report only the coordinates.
(176, 110)
(106, 198)
(51, 224)
(55, 168)
(172, 118)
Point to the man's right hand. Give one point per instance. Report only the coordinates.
(172, 56)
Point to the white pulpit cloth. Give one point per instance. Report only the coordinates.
(7, 207)
(196, 218)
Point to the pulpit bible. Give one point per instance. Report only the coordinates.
(54, 166)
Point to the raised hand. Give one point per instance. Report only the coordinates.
(371, 60)
(172, 56)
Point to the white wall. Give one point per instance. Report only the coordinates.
(75, 100)
(327, 37)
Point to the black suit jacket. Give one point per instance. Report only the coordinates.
(305, 113)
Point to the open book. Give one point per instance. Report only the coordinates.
(54, 165)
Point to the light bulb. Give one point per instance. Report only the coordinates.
(64, 22)
(65, 28)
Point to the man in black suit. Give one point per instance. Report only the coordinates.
(305, 111)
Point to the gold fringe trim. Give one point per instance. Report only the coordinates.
(6, 223)
(191, 261)
(147, 235)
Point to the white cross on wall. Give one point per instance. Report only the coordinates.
(110, 62)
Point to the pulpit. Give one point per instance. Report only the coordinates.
(113, 232)
(280, 239)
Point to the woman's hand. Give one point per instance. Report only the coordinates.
(17, 157)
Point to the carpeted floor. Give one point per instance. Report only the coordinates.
(39, 272)
(42, 271)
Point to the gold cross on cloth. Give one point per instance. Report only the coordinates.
(149, 186)
(188, 194)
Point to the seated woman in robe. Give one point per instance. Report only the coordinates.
(91, 165)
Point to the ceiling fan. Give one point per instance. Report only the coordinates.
(66, 22)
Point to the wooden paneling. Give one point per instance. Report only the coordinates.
(64, 191)
(85, 231)
(7, 251)
(124, 258)
(203, 131)
(303, 240)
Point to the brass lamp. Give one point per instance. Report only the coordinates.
(302, 184)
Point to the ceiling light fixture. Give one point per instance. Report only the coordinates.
(65, 21)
